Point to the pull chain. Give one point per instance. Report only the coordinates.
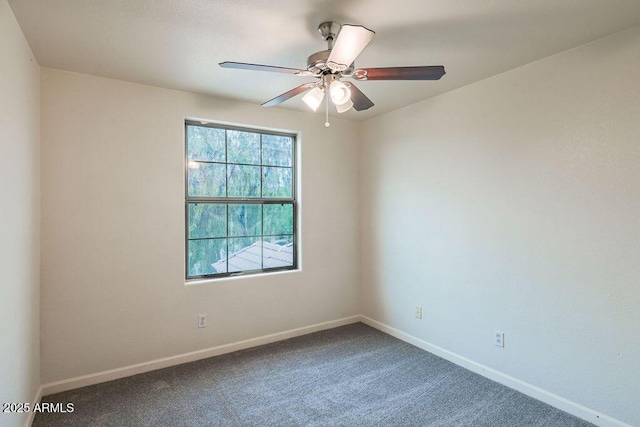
(326, 97)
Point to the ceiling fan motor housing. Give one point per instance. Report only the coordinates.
(317, 64)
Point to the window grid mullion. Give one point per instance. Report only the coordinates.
(230, 201)
(261, 208)
(226, 192)
(261, 169)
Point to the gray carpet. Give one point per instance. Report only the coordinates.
(349, 376)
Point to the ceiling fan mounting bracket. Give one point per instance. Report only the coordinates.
(329, 31)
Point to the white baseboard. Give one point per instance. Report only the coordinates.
(559, 402)
(139, 368)
(32, 414)
(547, 397)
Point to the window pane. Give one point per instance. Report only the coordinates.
(245, 253)
(245, 220)
(278, 219)
(243, 147)
(250, 232)
(277, 150)
(205, 143)
(277, 182)
(206, 180)
(277, 251)
(207, 220)
(205, 255)
(244, 181)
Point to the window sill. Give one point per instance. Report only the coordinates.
(197, 282)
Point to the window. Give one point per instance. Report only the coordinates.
(240, 204)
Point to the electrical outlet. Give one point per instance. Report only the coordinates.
(418, 312)
(498, 338)
(202, 321)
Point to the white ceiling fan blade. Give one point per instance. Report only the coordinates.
(352, 39)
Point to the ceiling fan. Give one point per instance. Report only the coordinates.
(345, 42)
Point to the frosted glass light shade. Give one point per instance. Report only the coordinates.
(344, 107)
(313, 98)
(340, 93)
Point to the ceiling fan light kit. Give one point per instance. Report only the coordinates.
(341, 108)
(340, 93)
(313, 98)
(344, 44)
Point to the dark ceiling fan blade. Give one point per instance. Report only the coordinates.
(433, 72)
(259, 67)
(359, 99)
(352, 39)
(288, 95)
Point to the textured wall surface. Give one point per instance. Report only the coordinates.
(509, 204)
(113, 288)
(514, 204)
(19, 218)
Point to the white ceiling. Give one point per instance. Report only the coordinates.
(178, 43)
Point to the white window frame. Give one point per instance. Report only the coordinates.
(241, 201)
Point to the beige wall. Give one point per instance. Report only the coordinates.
(510, 204)
(113, 289)
(514, 204)
(19, 218)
